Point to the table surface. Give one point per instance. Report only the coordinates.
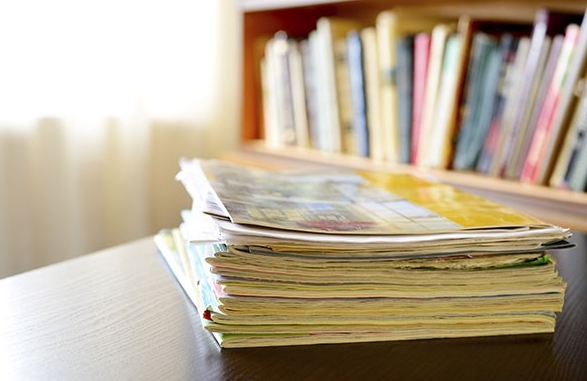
(118, 314)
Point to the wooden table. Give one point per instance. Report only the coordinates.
(118, 314)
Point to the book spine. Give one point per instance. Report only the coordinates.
(357, 91)
(323, 138)
(309, 77)
(385, 26)
(283, 89)
(438, 40)
(421, 53)
(481, 85)
(521, 133)
(372, 92)
(298, 94)
(344, 97)
(488, 103)
(527, 76)
(575, 177)
(509, 47)
(405, 74)
(545, 80)
(440, 140)
(530, 170)
(565, 130)
(329, 123)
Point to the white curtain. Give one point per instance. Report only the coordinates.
(98, 101)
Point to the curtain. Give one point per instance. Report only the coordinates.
(98, 101)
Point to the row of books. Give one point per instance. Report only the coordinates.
(465, 93)
(273, 258)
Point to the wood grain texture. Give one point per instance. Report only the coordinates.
(112, 315)
(119, 315)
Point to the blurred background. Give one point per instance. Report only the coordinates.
(98, 101)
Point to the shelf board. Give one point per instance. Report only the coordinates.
(269, 5)
(261, 5)
(556, 206)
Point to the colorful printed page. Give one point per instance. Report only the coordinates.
(346, 203)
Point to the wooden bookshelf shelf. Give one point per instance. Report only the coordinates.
(262, 18)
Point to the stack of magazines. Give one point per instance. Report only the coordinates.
(289, 258)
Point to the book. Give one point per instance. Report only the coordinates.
(567, 158)
(509, 107)
(568, 101)
(309, 78)
(372, 92)
(325, 44)
(568, 132)
(237, 304)
(356, 72)
(521, 131)
(486, 34)
(421, 53)
(546, 128)
(544, 20)
(298, 93)
(510, 46)
(270, 132)
(281, 123)
(546, 23)
(347, 203)
(441, 132)
(284, 93)
(575, 172)
(271, 120)
(449, 103)
(391, 25)
(404, 84)
(344, 97)
(448, 113)
(524, 141)
(289, 258)
(439, 36)
(481, 86)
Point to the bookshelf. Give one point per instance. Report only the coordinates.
(262, 18)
